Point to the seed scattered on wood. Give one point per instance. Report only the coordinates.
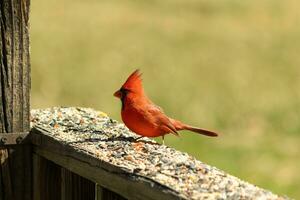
(95, 134)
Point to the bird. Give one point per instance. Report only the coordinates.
(143, 117)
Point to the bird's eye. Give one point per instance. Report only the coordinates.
(124, 91)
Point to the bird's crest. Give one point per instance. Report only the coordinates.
(134, 81)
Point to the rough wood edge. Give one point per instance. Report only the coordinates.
(128, 185)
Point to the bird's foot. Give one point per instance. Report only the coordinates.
(136, 139)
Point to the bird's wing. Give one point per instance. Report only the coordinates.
(162, 120)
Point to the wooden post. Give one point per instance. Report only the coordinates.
(15, 166)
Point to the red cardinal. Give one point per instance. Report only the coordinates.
(145, 118)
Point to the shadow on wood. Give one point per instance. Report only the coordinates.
(53, 182)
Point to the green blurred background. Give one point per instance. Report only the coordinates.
(232, 66)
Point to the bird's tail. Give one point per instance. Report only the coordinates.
(201, 131)
(181, 126)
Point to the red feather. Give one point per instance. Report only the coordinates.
(134, 81)
(143, 117)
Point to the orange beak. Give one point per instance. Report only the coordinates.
(118, 94)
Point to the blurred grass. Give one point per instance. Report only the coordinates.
(232, 65)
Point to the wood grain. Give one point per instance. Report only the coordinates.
(14, 94)
(125, 185)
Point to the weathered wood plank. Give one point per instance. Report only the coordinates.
(74, 187)
(14, 66)
(46, 180)
(6, 190)
(52, 182)
(37, 162)
(105, 194)
(109, 195)
(21, 172)
(14, 95)
(99, 192)
(128, 185)
(90, 144)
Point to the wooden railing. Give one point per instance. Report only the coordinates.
(65, 152)
(82, 154)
